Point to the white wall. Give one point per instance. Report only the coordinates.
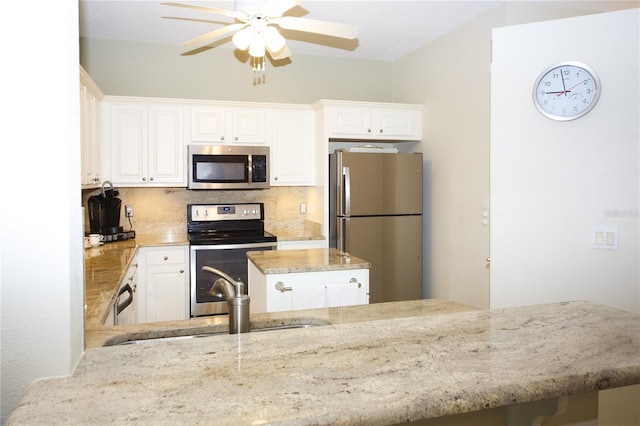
(41, 265)
(551, 182)
(159, 70)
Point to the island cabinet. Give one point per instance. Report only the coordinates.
(163, 288)
(346, 120)
(146, 142)
(289, 280)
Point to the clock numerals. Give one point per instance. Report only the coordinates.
(566, 91)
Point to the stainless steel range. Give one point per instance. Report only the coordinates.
(220, 235)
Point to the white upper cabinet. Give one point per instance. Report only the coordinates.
(292, 159)
(346, 120)
(90, 131)
(146, 143)
(228, 125)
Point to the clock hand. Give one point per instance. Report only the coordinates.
(563, 85)
(575, 85)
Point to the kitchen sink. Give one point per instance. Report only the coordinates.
(316, 323)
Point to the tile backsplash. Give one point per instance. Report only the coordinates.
(164, 210)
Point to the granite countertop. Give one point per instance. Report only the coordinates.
(375, 372)
(106, 336)
(308, 260)
(296, 234)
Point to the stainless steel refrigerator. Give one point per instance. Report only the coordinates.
(375, 213)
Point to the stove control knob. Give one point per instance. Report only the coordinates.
(254, 212)
(206, 212)
(245, 212)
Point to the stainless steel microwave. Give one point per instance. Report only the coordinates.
(228, 167)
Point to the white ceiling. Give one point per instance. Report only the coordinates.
(388, 29)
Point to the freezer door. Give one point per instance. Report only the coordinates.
(378, 184)
(393, 246)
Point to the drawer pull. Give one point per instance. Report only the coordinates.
(355, 280)
(280, 286)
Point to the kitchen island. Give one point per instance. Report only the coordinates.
(372, 371)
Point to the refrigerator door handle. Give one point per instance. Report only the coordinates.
(341, 234)
(346, 176)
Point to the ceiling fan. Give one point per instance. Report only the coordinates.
(257, 25)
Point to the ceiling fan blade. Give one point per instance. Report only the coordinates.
(214, 34)
(275, 8)
(319, 27)
(283, 53)
(232, 13)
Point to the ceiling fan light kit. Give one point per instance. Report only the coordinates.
(257, 31)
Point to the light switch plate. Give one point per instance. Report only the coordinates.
(604, 238)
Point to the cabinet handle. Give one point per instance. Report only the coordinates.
(151, 178)
(280, 286)
(166, 258)
(144, 179)
(381, 131)
(182, 271)
(275, 178)
(368, 130)
(235, 138)
(354, 281)
(221, 138)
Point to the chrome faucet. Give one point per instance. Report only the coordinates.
(233, 292)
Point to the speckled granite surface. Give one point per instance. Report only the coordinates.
(105, 336)
(372, 372)
(309, 260)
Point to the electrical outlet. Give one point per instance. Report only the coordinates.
(128, 210)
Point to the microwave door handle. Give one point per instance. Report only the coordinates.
(346, 191)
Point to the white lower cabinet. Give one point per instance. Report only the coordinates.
(128, 315)
(163, 287)
(307, 290)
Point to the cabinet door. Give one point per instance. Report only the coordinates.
(128, 138)
(249, 126)
(292, 160)
(350, 122)
(90, 137)
(163, 284)
(166, 145)
(166, 293)
(208, 124)
(396, 123)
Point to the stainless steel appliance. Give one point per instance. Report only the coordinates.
(220, 235)
(375, 206)
(228, 167)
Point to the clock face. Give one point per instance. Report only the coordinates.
(566, 91)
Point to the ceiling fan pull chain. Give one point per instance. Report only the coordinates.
(259, 66)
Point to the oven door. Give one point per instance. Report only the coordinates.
(230, 259)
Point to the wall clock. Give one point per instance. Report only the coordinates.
(566, 91)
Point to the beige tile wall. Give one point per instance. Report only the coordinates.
(164, 210)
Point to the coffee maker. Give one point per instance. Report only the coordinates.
(104, 215)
